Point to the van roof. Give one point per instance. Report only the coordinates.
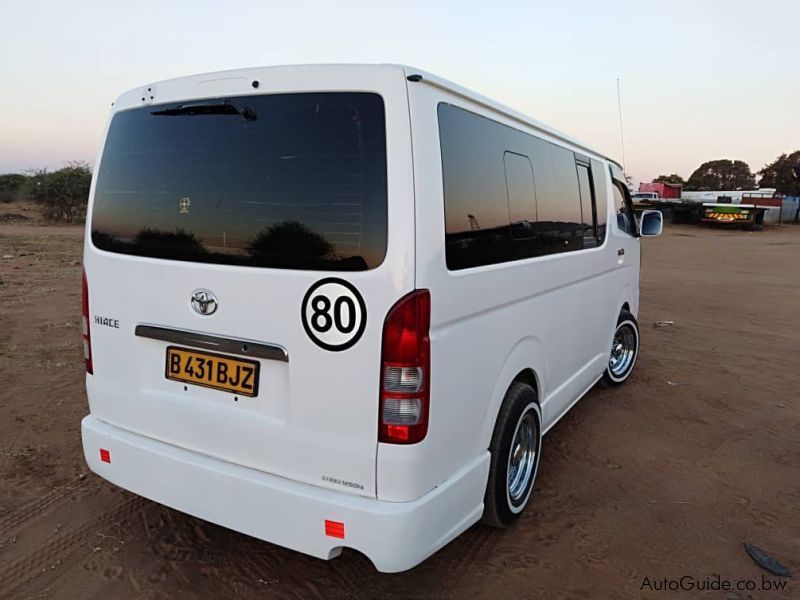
(422, 76)
(473, 96)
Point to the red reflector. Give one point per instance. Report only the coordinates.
(334, 529)
(399, 433)
(87, 336)
(105, 455)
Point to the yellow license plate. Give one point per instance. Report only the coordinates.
(216, 371)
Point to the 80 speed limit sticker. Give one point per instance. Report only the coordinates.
(333, 313)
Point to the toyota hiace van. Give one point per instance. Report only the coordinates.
(339, 306)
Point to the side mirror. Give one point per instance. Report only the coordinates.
(651, 223)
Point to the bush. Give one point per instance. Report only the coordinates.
(62, 195)
(10, 185)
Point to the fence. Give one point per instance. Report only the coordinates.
(789, 208)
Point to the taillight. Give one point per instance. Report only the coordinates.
(87, 338)
(405, 370)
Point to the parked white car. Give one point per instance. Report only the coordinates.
(644, 197)
(339, 306)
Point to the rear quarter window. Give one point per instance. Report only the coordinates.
(292, 181)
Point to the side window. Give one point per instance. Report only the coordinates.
(587, 206)
(521, 195)
(559, 223)
(509, 195)
(623, 209)
(476, 206)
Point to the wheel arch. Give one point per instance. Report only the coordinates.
(528, 376)
(628, 299)
(525, 364)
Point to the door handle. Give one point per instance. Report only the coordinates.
(621, 252)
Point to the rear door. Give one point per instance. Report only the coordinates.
(248, 233)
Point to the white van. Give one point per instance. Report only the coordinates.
(338, 306)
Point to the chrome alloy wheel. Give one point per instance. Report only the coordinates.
(623, 351)
(522, 458)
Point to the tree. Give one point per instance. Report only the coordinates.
(63, 194)
(722, 174)
(783, 174)
(10, 185)
(178, 244)
(674, 178)
(290, 243)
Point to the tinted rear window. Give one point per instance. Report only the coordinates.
(293, 181)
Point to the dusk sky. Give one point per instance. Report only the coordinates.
(701, 79)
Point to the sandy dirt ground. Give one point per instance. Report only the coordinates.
(664, 477)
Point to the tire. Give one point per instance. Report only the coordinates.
(505, 497)
(624, 350)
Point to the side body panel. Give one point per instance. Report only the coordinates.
(553, 315)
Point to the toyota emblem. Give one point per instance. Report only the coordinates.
(204, 302)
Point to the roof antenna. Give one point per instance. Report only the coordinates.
(621, 137)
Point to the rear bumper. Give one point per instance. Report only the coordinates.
(394, 535)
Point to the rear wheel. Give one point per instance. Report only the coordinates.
(515, 450)
(624, 350)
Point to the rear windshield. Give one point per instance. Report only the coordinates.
(291, 181)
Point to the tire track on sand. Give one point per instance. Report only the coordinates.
(52, 553)
(29, 512)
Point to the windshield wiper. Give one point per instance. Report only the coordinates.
(221, 108)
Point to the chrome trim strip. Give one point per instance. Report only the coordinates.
(196, 339)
